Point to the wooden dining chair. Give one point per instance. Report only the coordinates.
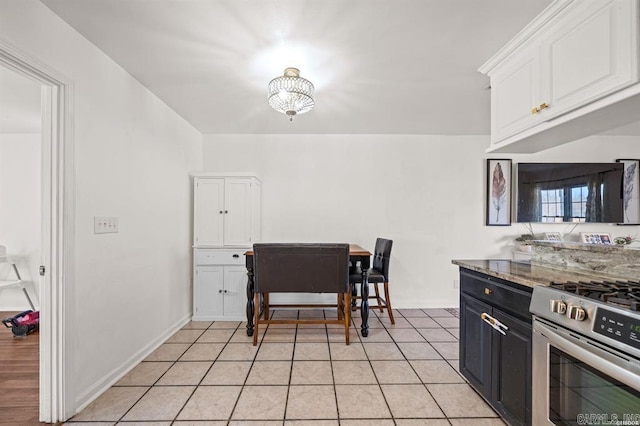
(378, 274)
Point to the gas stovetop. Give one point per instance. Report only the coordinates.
(606, 311)
(624, 294)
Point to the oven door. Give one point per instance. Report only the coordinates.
(579, 381)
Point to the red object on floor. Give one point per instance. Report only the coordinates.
(23, 323)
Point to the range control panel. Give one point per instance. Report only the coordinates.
(619, 327)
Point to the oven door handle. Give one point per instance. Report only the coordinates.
(494, 323)
(616, 366)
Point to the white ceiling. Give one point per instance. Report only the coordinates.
(19, 103)
(379, 66)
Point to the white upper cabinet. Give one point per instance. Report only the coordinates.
(227, 211)
(237, 211)
(552, 83)
(208, 212)
(515, 90)
(588, 54)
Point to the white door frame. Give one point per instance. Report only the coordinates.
(57, 398)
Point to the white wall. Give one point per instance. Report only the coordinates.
(20, 216)
(424, 192)
(133, 156)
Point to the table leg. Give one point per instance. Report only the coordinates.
(354, 295)
(250, 302)
(364, 304)
(353, 267)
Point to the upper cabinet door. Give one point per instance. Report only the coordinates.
(237, 225)
(515, 95)
(589, 54)
(209, 212)
(570, 73)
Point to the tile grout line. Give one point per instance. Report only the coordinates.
(466, 382)
(121, 418)
(208, 369)
(413, 327)
(425, 385)
(253, 360)
(412, 368)
(384, 397)
(293, 355)
(296, 339)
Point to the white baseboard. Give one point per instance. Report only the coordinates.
(110, 379)
(219, 318)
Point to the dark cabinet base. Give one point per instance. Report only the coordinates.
(497, 365)
(511, 369)
(475, 345)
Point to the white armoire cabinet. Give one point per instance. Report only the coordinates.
(227, 221)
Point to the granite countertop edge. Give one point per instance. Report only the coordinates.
(524, 273)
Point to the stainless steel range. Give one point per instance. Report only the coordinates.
(586, 353)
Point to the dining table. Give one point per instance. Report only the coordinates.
(357, 254)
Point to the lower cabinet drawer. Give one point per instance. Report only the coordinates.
(220, 257)
(493, 291)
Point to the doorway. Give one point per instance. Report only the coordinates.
(56, 398)
(20, 225)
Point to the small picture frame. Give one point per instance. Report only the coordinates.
(552, 236)
(498, 192)
(596, 238)
(631, 192)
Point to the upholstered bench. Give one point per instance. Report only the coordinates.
(301, 268)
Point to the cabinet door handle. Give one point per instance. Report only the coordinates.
(487, 291)
(494, 323)
(235, 256)
(542, 106)
(226, 211)
(221, 212)
(220, 291)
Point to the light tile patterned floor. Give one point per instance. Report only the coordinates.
(211, 374)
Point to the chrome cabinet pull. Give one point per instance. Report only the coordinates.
(494, 323)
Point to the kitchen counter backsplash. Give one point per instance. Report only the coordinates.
(601, 260)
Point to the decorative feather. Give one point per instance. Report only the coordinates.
(629, 175)
(498, 189)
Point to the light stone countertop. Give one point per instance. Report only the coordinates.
(524, 273)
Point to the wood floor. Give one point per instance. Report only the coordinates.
(19, 377)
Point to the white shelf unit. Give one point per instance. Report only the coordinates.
(17, 282)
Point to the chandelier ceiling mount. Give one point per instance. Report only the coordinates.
(291, 94)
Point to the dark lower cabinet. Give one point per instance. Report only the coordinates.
(498, 366)
(511, 369)
(475, 345)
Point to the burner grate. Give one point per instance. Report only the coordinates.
(623, 293)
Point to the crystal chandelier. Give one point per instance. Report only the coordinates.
(291, 94)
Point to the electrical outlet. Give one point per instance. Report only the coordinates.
(456, 283)
(105, 225)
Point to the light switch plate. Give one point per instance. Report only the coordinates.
(105, 225)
